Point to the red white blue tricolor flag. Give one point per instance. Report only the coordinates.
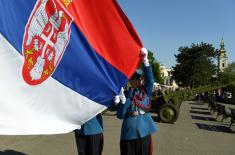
(61, 62)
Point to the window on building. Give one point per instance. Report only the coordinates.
(169, 73)
(171, 81)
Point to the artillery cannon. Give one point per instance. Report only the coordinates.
(167, 105)
(167, 109)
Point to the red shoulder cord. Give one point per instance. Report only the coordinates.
(140, 97)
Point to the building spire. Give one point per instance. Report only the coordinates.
(222, 41)
(222, 58)
(222, 49)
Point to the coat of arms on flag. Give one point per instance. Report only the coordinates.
(47, 34)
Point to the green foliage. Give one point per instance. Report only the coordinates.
(156, 68)
(188, 94)
(231, 89)
(228, 75)
(195, 66)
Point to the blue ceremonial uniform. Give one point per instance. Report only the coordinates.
(89, 138)
(141, 125)
(92, 127)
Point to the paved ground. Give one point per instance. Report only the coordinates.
(195, 133)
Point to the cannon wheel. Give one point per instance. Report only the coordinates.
(168, 113)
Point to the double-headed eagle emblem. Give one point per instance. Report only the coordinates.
(47, 34)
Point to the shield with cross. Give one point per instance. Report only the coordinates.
(46, 37)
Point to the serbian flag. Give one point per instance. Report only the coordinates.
(61, 62)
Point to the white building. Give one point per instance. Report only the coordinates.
(166, 74)
(222, 58)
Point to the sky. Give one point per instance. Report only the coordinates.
(166, 25)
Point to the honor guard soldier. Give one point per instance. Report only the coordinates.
(137, 125)
(89, 138)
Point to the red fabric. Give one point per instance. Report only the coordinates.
(109, 32)
(151, 145)
(101, 143)
(140, 97)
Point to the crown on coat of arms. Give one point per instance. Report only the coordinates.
(67, 2)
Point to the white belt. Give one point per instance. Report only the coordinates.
(140, 112)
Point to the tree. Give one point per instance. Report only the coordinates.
(195, 65)
(228, 75)
(156, 67)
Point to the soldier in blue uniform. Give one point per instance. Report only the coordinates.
(138, 124)
(89, 138)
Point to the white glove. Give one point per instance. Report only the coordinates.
(116, 99)
(122, 96)
(144, 53)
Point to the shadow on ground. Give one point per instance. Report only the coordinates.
(207, 116)
(216, 128)
(11, 152)
(203, 118)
